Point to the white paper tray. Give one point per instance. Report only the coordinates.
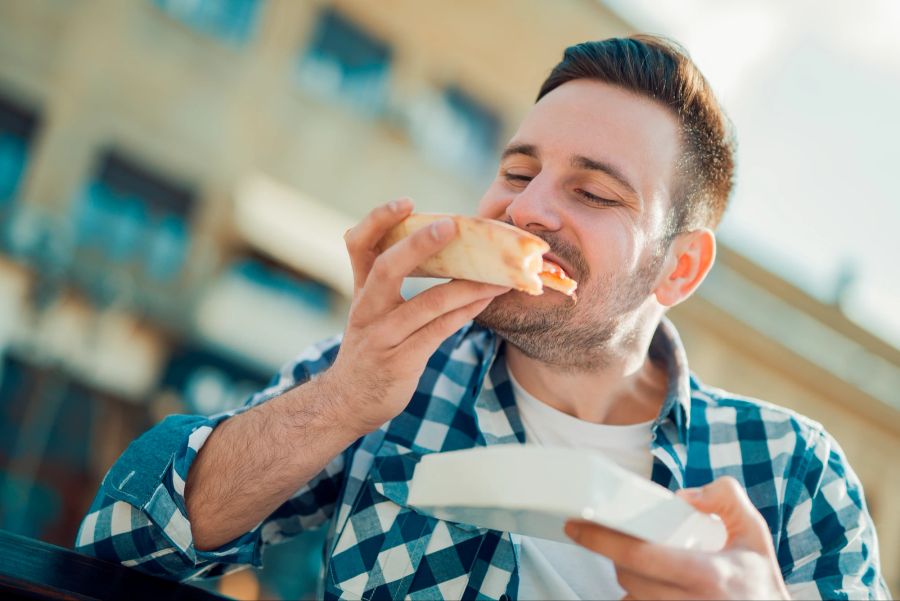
(533, 490)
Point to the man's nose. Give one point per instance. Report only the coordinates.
(535, 207)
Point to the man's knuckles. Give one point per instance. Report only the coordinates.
(709, 578)
(434, 301)
(366, 233)
(383, 269)
(352, 240)
(626, 551)
(729, 487)
(724, 576)
(431, 238)
(620, 548)
(627, 579)
(401, 259)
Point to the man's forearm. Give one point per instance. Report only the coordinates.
(254, 461)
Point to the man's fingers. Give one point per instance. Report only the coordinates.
(429, 337)
(726, 498)
(362, 238)
(402, 258)
(431, 304)
(639, 586)
(663, 563)
(382, 289)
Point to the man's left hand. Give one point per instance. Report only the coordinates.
(745, 569)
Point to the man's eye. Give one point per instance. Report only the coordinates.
(517, 178)
(598, 200)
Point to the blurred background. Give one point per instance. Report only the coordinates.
(176, 176)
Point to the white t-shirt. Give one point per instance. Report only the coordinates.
(554, 570)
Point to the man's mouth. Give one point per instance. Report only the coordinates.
(565, 267)
(555, 276)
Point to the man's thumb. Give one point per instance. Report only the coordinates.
(726, 498)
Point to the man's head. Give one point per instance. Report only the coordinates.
(657, 68)
(623, 165)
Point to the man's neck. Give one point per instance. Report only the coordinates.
(629, 389)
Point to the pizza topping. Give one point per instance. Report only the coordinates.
(553, 276)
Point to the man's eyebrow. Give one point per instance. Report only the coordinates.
(578, 162)
(526, 149)
(583, 162)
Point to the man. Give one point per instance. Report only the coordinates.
(624, 165)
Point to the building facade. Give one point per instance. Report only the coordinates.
(175, 178)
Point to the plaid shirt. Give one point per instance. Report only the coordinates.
(379, 548)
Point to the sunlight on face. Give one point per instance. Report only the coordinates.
(590, 171)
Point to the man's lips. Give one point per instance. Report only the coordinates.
(565, 266)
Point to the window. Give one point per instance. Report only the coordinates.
(130, 216)
(282, 309)
(345, 62)
(209, 382)
(17, 127)
(230, 20)
(268, 275)
(453, 128)
(40, 501)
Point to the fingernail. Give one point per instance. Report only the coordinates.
(442, 229)
(572, 530)
(398, 205)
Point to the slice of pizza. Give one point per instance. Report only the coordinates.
(488, 251)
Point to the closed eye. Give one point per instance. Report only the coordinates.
(513, 177)
(594, 199)
(523, 180)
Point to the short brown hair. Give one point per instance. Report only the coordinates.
(662, 70)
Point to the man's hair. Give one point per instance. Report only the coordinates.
(660, 69)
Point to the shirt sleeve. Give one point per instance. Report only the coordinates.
(829, 548)
(139, 517)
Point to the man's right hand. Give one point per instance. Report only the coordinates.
(253, 462)
(389, 340)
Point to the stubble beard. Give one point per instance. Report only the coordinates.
(580, 336)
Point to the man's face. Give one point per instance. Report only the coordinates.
(590, 171)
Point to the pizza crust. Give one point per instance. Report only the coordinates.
(485, 250)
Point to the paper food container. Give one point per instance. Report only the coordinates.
(533, 490)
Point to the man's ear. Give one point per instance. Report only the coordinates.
(690, 257)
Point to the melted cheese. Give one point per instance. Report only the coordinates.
(553, 276)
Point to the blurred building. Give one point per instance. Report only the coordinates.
(175, 179)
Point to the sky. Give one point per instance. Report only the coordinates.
(813, 91)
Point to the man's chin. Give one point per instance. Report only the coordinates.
(517, 309)
(523, 300)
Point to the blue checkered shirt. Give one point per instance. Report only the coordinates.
(379, 548)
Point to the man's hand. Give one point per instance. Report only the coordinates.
(388, 340)
(745, 569)
(254, 461)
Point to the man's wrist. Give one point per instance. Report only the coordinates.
(323, 405)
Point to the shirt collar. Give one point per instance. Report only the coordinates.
(495, 407)
(495, 404)
(667, 350)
